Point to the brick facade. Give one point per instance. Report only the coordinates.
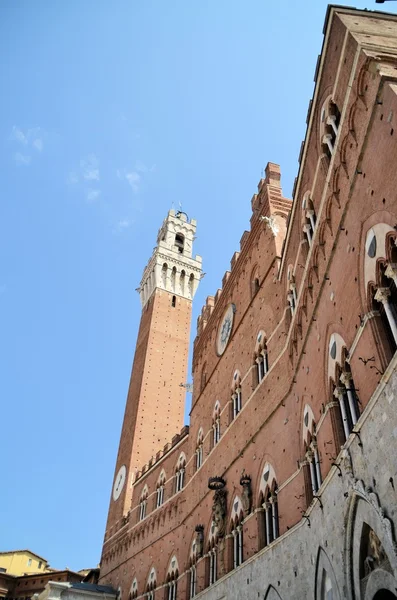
(307, 464)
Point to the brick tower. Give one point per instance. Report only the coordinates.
(155, 402)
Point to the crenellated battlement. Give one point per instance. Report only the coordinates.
(162, 453)
(269, 209)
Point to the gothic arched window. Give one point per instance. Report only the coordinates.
(216, 423)
(143, 503)
(180, 473)
(160, 490)
(329, 125)
(199, 449)
(261, 356)
(311, 450)
(269, 502)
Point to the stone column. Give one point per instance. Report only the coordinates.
(346, 379)
(317, 463)
(391, 272)
(331, 120)
(310, 216)
(382, 295)
(273, 501)
(327, 139)
(268, 521)
(310, 457)
(308, 231)
(338, 393)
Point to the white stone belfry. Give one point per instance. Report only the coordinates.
(172, 267)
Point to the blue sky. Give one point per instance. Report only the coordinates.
(110, 113)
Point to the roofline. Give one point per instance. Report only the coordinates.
(332, 9)
(49, 574)
(22, 551)
(348, 9)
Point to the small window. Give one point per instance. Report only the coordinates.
(40, 564)
(173, 301)
(29, 562)
(3, 570)
(179, 242)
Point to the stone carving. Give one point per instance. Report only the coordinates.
(246, 496)
(271, 224)
(219, 512)
(199, 540)
(375, 553)
(217, 484)
(373, 500)
(348, 465)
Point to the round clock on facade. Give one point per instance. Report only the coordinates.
(119, 482)
(225, 329)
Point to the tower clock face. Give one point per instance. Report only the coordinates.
(225, 329)
(119, 482)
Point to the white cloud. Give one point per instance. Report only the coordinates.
(38, 144)
(31, 138)
(135, 176)
(90, 168)
(18, 136)
(73, 177)
(134, 179)
(22, 159)
(123, 225)
(93, 195)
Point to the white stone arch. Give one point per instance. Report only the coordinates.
(335, 354)
(325, 581)
(374, 249)
(308, 423)
(151, 582)
(134, 588)
(236, 510)
(272, 594)
(173, 567)
(162, 478)
(365, 511)
(268, 480)
(217, 409)
(181, 462)
(260, 341)
(236, 379)
(200, 436)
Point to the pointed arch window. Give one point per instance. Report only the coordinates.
(271, 515)
(180, 473)
(329, 126)
(237, 534)
(269, 502)
(346, 395)
(160, 490)
(199, 449)
(172, 588)
(216, 424)
(134, 590)
(237, 402)
(143, 503)
(213, 568)
(192, 581)
(261, 357)
(309, 220)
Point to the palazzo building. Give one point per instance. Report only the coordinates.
(284, 485)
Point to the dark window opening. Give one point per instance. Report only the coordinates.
(173, 301)
(179, 242)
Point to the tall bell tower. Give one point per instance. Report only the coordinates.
(155, 402)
